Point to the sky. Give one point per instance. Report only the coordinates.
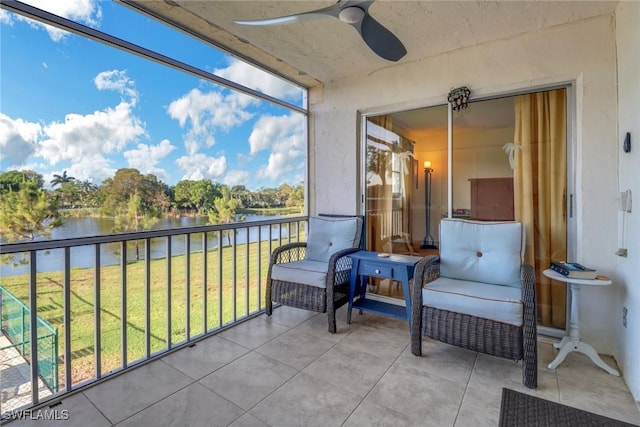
(70, 104)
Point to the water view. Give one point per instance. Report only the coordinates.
(83, 256)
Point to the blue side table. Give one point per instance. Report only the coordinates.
(395, 267)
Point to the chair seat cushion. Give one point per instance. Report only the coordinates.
(494, 302)
(306, 272)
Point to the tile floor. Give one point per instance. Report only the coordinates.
(287, 370)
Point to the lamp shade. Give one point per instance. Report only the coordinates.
(427, 164)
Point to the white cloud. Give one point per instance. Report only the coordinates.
(86, 12)
(5, 17)
(18, 140)
(95, 168)
(284, 136)
(204, 113)
(268, 130)
(119, 81)
(236, 177)
(146, 157)
(200, 166)
(255, 78)
(82, 136)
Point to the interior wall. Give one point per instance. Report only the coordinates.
(582, 52)
(628, 269)
(477, 153)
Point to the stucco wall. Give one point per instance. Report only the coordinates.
(628, 269)
(582, 52)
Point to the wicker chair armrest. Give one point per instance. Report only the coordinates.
(528, 284)
(339, 262)
(427, 270)
(289, 252)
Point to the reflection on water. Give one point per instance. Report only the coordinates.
(83, 256)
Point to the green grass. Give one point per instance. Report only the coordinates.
(219, 309)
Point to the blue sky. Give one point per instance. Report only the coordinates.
(71, 104)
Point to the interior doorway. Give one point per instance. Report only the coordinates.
(507, 160)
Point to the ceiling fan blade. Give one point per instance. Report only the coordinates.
(382, 41)
(333, 10)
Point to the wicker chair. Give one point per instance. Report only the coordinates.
(314, 275)
(478, 294)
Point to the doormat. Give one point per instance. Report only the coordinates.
(523, 410)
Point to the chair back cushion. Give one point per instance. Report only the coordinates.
(328, 235)
(479, 251)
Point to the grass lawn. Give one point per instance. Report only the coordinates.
(225, 290)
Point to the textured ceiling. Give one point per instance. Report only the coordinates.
(326, 49)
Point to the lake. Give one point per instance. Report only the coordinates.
(83, 256)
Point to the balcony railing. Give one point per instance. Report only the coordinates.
(162, 290)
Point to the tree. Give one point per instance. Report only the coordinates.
(133, 217)
(61, 179)
(27, 213)
(198, 195)
(13, 180)
(224, 211)
(296, 197)
(117, 191)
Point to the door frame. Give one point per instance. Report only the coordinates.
(571, 138)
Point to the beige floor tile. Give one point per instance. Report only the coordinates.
(371, 414)
(295, 348)
(205, 356)
(492, 373)
(580, 365)
(352, 370)
(77, 409)
(291, 317)
(248, 420)
(428, 400)
(382, 342)
(580, 391)
(480, 407)
(125, 395)
(255, 332)
(318, 326)
(249, 379)
(546, 354)
(306, 401)
(441, 359)
(193, 406)
(388, 322)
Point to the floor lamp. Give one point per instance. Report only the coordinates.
(428, 242)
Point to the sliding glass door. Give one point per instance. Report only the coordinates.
(508, 160)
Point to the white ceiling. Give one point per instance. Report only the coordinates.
(326, 49)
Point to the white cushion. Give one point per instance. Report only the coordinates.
(307, 272)
(494, 302)
(328, 235)
(479, 251)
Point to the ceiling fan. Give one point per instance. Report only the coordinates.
(355, 13)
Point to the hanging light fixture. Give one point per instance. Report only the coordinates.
(459, 98)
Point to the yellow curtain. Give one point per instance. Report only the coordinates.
(540, 176)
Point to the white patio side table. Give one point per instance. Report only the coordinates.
(572, 341)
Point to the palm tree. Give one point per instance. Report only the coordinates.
(61, 179)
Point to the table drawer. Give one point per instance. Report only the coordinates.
(376, 270)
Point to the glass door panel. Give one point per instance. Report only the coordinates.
(509, 163)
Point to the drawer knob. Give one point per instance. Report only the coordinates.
(377, 271)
